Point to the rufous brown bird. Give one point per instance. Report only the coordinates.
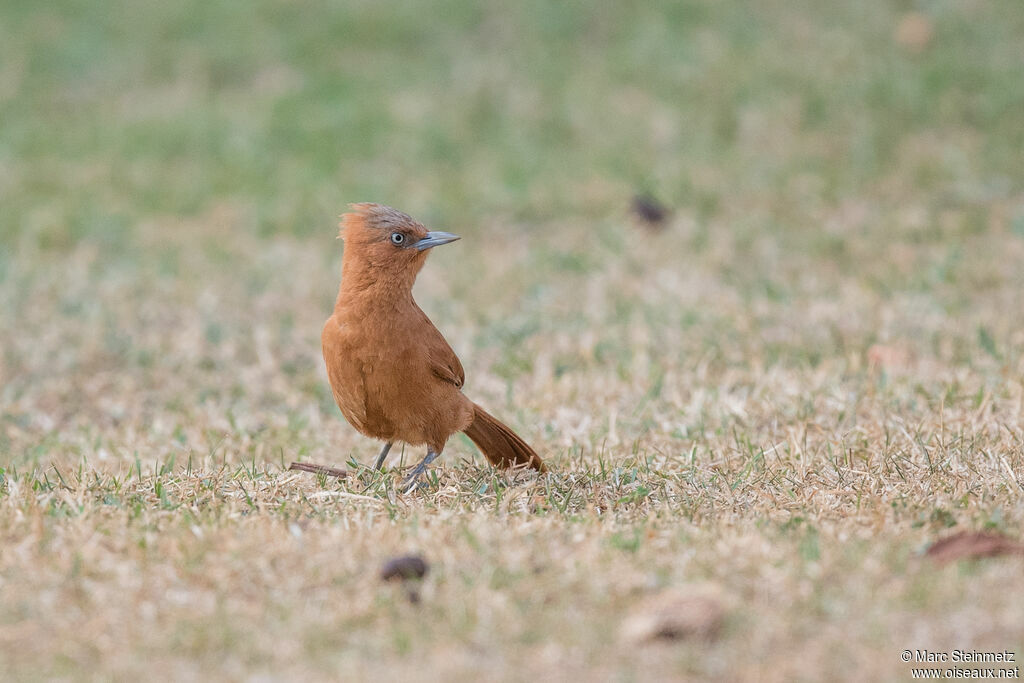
(393, 375)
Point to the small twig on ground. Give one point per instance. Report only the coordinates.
(319, 469)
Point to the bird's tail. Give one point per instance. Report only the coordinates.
(500, 445)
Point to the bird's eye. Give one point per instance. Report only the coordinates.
(397, 238)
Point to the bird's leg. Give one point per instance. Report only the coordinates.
(412, 481)
(379, 462)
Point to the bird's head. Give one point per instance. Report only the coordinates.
(384, 244)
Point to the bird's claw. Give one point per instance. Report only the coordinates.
(412, 482)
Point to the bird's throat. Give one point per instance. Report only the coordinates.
(366, 288)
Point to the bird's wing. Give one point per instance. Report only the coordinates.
(445, 364)
(435, 349)
(443, 361)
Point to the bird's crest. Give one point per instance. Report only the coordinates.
(368, 215)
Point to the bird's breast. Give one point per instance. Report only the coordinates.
(382, 379)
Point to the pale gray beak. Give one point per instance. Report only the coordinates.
(435, 239)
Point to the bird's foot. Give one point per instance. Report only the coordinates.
(412, 482)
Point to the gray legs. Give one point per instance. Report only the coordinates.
(383, 456)
(412, 481)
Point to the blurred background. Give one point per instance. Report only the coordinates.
(749, 275)
(766, 117)
(839, 183)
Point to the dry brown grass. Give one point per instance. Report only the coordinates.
(758, 419)
(149, 528)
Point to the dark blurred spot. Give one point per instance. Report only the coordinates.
(651, 213)
(404, 568)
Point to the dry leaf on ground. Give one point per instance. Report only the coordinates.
(973, 545)
(693, 613)
(914, 31)
(883, 357)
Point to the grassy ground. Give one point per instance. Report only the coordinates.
(815, 371)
